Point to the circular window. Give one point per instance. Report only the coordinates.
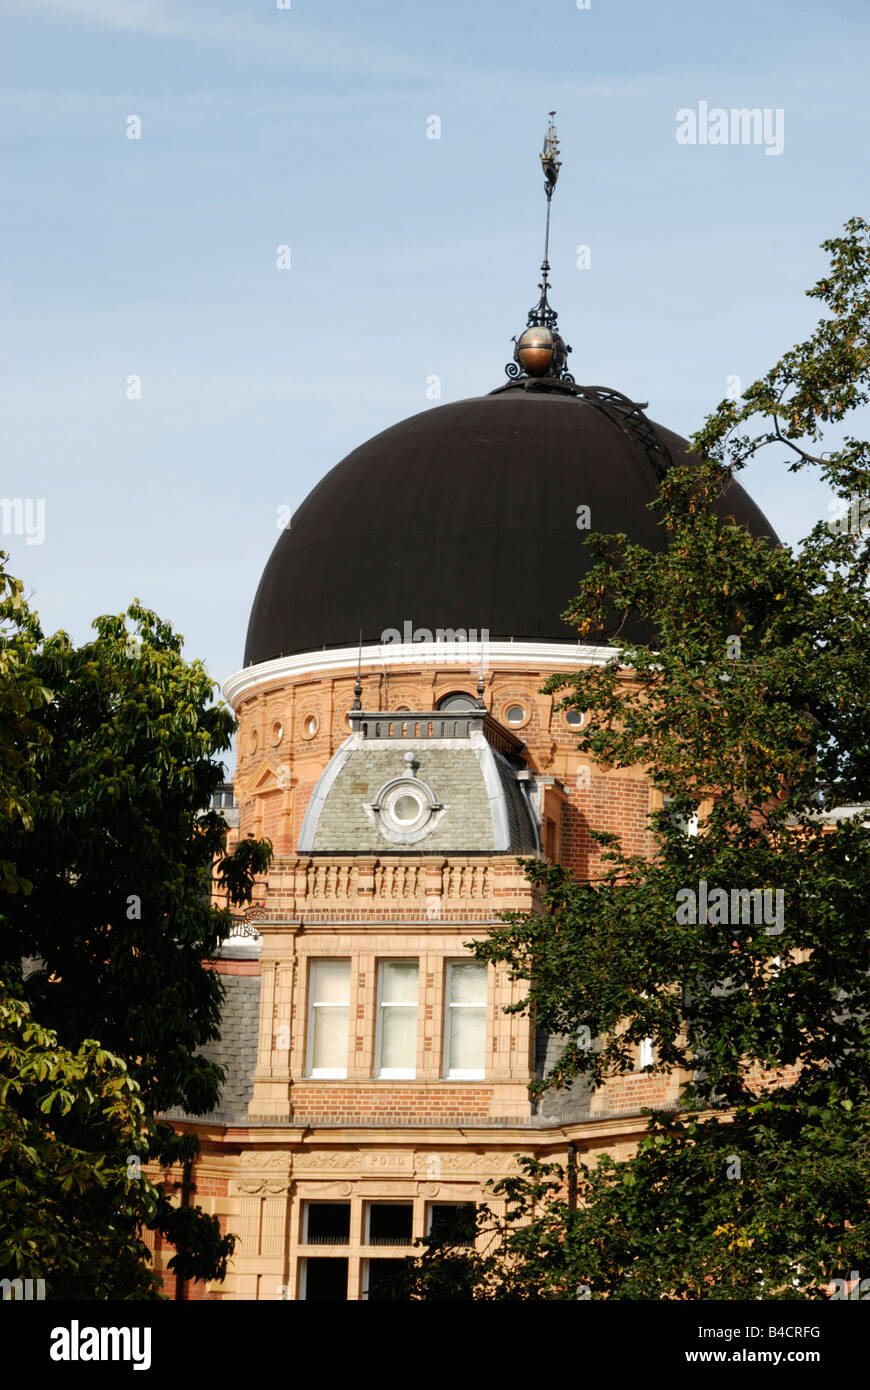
(277, 733)
(406, 808)
(574, 718)
(515, 714)
(310, 725)
(255, 740)
(458, 699)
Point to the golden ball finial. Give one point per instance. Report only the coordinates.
(540, 351)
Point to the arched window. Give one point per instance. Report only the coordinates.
(457, 699)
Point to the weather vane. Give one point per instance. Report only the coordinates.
(540, 350)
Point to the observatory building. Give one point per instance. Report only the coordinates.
(395, 747)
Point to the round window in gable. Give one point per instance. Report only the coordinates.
(515, 714)
(310, 725)
(277, 733)
(405, 807)
(574, 718)
(405, 810)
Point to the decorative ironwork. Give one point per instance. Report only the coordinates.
(626, 414)
(243, 927)
(541, 352)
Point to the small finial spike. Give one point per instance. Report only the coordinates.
(357, 690)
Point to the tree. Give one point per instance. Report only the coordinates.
(751, 707)
(72, 1192)
(109, 755)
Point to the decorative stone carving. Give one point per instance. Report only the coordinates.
(333, 1159)
(267, 1187)
(254, 1158)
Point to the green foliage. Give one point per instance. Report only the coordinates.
(109, 755)
(22, 697)
(771, 1205)
(69, 1123)
(752, 705)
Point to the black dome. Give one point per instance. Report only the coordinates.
(465, 516)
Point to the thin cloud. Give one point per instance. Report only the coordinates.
(280, 37)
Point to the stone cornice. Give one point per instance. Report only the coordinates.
(536, 656)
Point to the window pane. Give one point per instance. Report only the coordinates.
(380, 1275)
(329, 1048)
(326, 1280)
(390, 1223)
(458, 700)
(399, 1038)
(468, 983)
(453, 1222)
(467, 1040)
(327, 1223)
(330, 981)
(399, 982)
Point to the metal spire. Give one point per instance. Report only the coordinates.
(551, 165)
(541, 351)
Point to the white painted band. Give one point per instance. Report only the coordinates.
(469, 656)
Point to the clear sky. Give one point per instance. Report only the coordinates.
(409, 256)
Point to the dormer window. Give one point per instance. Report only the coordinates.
(405, 810)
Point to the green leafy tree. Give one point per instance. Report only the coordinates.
(109, 754)
(72, 1192)
(751, 707)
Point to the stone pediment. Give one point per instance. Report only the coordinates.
(267, 776)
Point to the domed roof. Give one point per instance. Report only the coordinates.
(466, 517)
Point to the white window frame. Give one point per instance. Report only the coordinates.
(307, 1204)
(462, 1073)
(688, 827)
(325, 1073)
(389, 1202)
(303, 1273)
(395, 1073)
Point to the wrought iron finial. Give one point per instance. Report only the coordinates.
(540, 350)
(480, 688)
(550, 159)
(357, 690)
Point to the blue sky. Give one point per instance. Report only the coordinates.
(410, 257)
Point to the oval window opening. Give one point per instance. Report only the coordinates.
(406, 809)
(515, 714)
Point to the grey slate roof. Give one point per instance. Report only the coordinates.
(236, 1051)
(484, 808)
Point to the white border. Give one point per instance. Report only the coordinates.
(391, 655)
(380, 1073)
(463, 1073)
(313, 1073)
